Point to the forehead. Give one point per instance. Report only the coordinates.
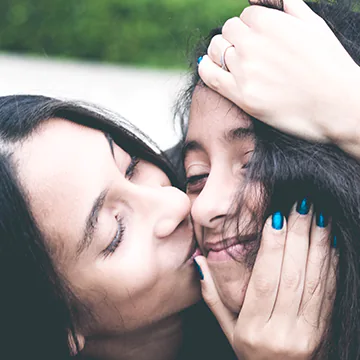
(59, 168)
(210, 114)
(215, 124)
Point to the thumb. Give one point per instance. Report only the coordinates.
(211, 296)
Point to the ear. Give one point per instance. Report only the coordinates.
(80, 342)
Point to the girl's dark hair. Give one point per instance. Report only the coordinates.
(37, 307)
(290, 169)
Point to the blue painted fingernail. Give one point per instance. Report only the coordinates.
(334, 244)
(199, 59)
(321, 220)
(277, 220)
(303, 207)
(198, 268)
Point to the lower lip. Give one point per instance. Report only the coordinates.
(226, 254)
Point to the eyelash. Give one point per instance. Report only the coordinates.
(195, 184)
(131, 170)
(116, 240)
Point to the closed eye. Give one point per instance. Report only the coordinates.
(117, 239)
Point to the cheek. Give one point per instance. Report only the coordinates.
(117, 293)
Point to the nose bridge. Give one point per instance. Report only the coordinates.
(156, 178)
(213, 203)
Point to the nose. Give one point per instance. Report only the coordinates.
(211, 206)
(168, 206)
(156, 199)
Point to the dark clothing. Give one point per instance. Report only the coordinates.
(203, 337)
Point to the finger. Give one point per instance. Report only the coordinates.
(264, 281)
(266, 18)
(235, 30)
(317, 269)
(294, 262)
(218, 79)
(296, 8)
(210, 294)
(260, 17)
(300, 10)
(330, 291)
(218, 48)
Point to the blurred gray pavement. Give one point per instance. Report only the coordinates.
(145, 97)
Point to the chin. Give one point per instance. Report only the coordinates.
(233, 300)
(232, 288)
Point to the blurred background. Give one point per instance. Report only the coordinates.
(127, 55)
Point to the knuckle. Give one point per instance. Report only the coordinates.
(246, 12)
(249, 341)
(313, 287)
(229, 26)
(291, 279)
(264, 286)
(255, 17)
(213, 49)
(290, 346)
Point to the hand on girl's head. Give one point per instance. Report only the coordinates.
(280, 73)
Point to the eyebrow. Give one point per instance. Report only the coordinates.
(91, 223)
(238, 133)
(189, 146)
(92, 218)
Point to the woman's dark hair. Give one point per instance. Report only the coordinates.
(290, 169)
(38, 311)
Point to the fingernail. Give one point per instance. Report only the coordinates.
(334, 244)
(198, 268)
(199, 59)
(303, 207)
(321, 220)
(277, 221)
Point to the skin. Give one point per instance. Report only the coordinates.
(272, 59)
(280, 307)
(138, 289)
(209, 152)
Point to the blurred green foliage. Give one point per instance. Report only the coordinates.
(141, 32)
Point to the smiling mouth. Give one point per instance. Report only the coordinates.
(229, 249)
